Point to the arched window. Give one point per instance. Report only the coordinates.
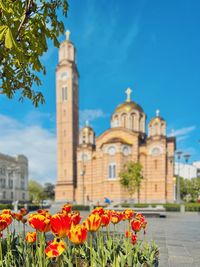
(112, 170)
(124, 120)
(64, 93)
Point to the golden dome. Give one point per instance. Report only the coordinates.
(87, 129)
(128, 106)
(157, 119)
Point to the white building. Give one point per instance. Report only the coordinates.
(186, 170)
(197, 165)
(13, 178)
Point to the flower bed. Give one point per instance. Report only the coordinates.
(95, 241)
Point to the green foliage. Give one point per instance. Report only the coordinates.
(172, 207)
(35, 191)
(25, 26)
(48, 190)
(190, 189)
(5, 206)
(131, 177)
(192, 206)
(81, 207)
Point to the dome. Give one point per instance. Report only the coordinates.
(128, 106)
(87, 129)
(157, 118)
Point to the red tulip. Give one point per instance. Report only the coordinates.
(60, 224)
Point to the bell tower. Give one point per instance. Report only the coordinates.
(67, 121)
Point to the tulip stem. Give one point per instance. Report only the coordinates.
(91, 261)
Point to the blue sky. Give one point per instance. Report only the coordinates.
(150, 46)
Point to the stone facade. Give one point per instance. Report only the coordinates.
(88, 167)
(13, 178)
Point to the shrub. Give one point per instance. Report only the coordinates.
(172, 207)
(192, 206)
(81, 207)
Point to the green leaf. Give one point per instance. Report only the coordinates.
(3, 30)
(9, 40)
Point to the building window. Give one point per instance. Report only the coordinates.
(11, 195)
(112, 170)
(65, 173)
(64, 132)
(4, 195)
(64, 93)
(23, 196)
(10, 183)
(64, 153)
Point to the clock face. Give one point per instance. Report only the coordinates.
(64, 76)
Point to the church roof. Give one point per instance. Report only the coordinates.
(128, 106)
(157, 118)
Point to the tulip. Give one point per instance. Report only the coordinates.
(39, 222)
(17, 216)
(136, 225)
(75, 217)
(55, 248)
(128, 214)
(6, 217)
(6, 211)
(23, 211)
(60, 224)
(98, 210)
(127, 234)
(116, 217)
(67, 208)
(31, 237)
(93, 222)
(105, 220)
(3, 225)
(133, 239)
(78, 234)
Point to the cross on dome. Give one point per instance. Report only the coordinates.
(67, 35)
(128, 92)
(157, 113)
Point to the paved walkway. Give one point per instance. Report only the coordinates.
(178, 237)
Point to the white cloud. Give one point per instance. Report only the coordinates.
(32, 140)
(182, 131)
(90, 115)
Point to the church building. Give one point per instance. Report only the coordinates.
(88, 166)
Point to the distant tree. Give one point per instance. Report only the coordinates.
(25, 26)
(190, 189)
(35, 191)
(131, 178)
(49, 190)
